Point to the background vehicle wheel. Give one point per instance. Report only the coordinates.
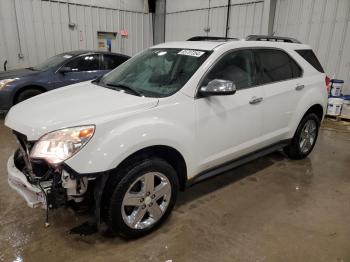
(26, 94)
(143, 198)
(304, 138)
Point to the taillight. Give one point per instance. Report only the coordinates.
(328, 83)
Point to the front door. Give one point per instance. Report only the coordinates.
(230, 126)
(82, 68)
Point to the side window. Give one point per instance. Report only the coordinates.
(112, 61)
(237, 67)
(276, 65)
(85, 63)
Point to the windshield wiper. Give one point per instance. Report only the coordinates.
(127, 88)
(32, 68)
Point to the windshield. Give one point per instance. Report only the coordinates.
(156, 72)
(52, 62)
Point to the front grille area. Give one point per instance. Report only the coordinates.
(39, 167)
(23, 141)
(19, 161)
(39, 173)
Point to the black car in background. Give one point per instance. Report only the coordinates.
(60, 70)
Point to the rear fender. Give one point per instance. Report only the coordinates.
(314, 94)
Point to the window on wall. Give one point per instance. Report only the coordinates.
(276, 65)
(237, 67)
(85, 63)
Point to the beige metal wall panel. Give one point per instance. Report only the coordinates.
(129, 5)
(325, 26)
(246, 19)
(217, 21)
(185, 19)
(9, 34)
(183, 25)
(173, 6)
(140, 32)
(39, 29)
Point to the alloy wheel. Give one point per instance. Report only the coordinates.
(308, 136)
(146, 200)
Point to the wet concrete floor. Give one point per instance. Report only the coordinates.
(273, 209)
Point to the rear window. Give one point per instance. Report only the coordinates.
(310, 56)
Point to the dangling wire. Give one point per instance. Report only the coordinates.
(47, 224)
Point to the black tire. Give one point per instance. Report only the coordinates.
(130, 174)
(293, 150)
(26, 94)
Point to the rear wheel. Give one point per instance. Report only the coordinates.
(305, 137)
(26, 94)
(143, 198)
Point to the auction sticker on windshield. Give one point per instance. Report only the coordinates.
(195, 53)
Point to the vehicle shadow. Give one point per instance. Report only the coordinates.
(233, 176)
(205, 187)
(213, 184)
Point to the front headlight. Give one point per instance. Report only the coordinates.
(58, 146)
(5, 82)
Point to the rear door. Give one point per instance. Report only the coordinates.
(281, 79)
(110, 62)
(82, 68)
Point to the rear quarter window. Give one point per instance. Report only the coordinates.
(310, 56)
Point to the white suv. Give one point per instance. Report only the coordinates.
(173, 115)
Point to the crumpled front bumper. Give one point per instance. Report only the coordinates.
(18, 181)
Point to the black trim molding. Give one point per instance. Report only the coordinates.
(236, 162)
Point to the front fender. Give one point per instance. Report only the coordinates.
(112, 143)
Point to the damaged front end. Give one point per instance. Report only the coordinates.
(52, 186)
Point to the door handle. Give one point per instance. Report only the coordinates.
(299, 87)
(255, 100)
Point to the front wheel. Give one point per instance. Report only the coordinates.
(26, 94)
(304, 138)
(143, 198)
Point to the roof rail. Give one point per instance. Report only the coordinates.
(272, 38)
(210, 38)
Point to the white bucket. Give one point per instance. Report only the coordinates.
(345, 111)
(334, 106)
(336, 89)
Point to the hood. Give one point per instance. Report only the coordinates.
(80, 104)
(17, 73)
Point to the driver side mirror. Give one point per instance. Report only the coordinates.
(65, 69)
(218, 87)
